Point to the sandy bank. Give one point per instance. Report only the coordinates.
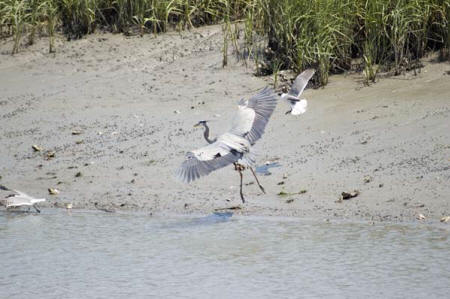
(134, 101)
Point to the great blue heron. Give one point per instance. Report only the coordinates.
(298, 106)
(20, 199)
(234, 146)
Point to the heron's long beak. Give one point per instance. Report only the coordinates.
(196, 125)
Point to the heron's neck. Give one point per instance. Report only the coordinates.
(206, 134)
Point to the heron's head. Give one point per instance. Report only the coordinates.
(200, 123)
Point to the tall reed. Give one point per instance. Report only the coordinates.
(14, 13)
(328, 34)
(50, 15)
(386, 35)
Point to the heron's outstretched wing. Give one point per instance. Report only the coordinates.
(253, 115)
(300, 82)
(204, 160)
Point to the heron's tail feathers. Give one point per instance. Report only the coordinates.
(248, 159)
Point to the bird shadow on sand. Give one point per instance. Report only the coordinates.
(264, 169)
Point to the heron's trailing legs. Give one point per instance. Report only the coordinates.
(238, 167)
(240, 187)
(256, 178)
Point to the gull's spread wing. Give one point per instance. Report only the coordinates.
(300, 83)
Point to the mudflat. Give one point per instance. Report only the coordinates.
(113, 117)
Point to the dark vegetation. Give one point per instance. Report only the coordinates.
(330, 35)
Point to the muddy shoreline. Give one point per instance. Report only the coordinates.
(117, 114)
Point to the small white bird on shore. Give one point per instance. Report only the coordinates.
(298, 106)
(20, 199)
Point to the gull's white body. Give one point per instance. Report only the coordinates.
(297, 107)
(20, 199)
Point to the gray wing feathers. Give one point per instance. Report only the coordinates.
(300, 82)
(263, 104)
(193, 168)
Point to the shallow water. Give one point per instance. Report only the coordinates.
(91, 254)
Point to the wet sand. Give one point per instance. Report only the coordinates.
(134, 101)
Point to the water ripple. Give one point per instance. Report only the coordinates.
(88, 255)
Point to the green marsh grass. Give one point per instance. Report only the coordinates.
(15, 14)
(386, 35)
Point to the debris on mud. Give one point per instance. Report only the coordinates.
(283, 193)
(230, 208)
(445, 219)
(76, 132)
(364, 140)
(348, 195)
(419, 205)
(53, 191)
(420, 217)
(367, 179)
(49, 155)
(36, 148)
(107, 210)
